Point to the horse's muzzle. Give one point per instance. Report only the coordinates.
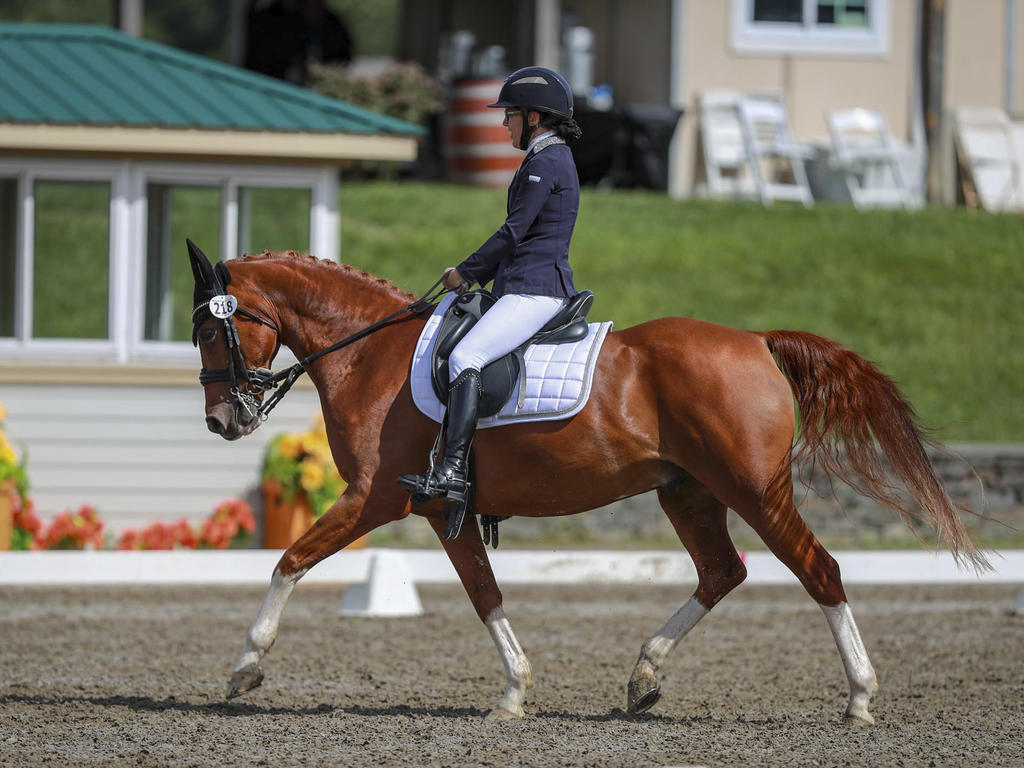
(225, 419)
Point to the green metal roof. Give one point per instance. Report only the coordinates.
(96, 76)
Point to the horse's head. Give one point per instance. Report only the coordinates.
(236, 356)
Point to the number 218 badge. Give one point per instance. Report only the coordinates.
(223, 306)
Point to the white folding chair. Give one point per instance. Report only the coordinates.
(987, 150)
(864, 150)
(776, 159)
(727, 166)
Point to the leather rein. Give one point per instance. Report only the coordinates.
(249, 384)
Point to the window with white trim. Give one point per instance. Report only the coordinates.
(819, 27)
(92, 257)
(61, 295)
(71, 260)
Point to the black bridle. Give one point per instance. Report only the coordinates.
(249, 384)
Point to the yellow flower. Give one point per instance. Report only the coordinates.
(3, 412)
(310, 445)
(291, 446)
(7, 454)
(312, 476)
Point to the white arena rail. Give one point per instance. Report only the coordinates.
(428, 566)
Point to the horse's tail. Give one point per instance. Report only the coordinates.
(854, 421)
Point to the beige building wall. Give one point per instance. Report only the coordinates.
(975, 73)
(813, 84)
(1016, 106)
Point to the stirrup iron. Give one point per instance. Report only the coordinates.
(418, 486)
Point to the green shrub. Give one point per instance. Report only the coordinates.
(403, 90)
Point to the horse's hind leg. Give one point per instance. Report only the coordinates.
(775, 519)
(700, 521)
(469, 556)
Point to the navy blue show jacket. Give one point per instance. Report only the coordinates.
(530, 253)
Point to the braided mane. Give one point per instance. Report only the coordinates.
(318, 263)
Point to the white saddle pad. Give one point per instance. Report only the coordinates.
(558, 377)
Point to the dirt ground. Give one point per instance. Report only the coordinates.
(103, 676)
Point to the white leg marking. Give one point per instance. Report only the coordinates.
(644, 689)
(859, 671)
(263, 631)
(658, 647)
(518, 672)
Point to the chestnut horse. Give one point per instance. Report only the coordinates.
(700, 413)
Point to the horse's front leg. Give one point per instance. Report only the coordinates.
(469, 556)
(350, 517)
(247, 673)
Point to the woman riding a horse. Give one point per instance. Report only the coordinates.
(701, 414)
(527, 258)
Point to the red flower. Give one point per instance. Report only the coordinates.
(24, 516)
(160, 535)
(232, 518)
(73, 531)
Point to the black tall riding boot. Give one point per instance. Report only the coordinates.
(449, 478)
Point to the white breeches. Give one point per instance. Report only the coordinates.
(513, 319)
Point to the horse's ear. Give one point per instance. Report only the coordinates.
(202, 270)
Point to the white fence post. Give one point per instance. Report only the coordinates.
(389, 589)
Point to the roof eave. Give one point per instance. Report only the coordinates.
(125, 141)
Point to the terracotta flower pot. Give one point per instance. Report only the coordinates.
(285, 521)
(6, 515)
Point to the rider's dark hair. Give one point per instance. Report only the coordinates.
(564, 127)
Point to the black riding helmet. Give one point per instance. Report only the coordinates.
(537, 88)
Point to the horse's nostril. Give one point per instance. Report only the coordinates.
(215, 425)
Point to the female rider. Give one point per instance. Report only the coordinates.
(528, 259)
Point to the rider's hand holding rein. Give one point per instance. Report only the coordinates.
(453, 281)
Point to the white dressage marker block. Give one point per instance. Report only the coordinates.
(389, 589)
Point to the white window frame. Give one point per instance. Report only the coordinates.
(127, 245)
(758, 37)
(28, 173)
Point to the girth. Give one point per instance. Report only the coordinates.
(499, 378)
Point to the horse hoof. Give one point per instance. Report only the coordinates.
(501, 715)
(860, 718)
(244, 680)
(644, 692)
(643, 702)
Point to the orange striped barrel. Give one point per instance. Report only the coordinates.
(476, 146)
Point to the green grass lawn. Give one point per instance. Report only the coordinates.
(935, 297)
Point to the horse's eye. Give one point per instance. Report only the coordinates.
(207, 334)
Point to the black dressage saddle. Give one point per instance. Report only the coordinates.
(499, 378)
